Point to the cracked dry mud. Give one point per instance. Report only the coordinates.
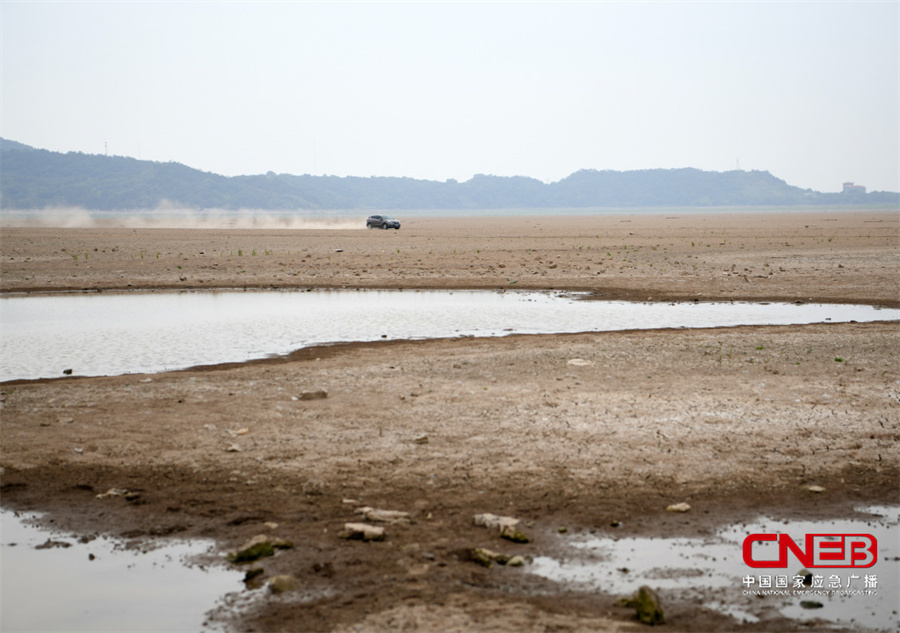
(737, 422)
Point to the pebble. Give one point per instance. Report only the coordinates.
(487, 557)
(321, 394)
(281, 583)
(647, 607)
(384, 516)
(258, 547)
(362, 532)
(113, 492)
(489, 520)
(506, 525)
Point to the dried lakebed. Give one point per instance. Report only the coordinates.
(553, 548)
(97, 583)
(110, 334)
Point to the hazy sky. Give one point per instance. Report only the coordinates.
(809, 91)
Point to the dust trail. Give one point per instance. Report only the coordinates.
(240, 220)
(173, 218)
(73, 218)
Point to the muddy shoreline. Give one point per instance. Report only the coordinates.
(737, 422)
(823, 257)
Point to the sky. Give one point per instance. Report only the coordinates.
(809, 91)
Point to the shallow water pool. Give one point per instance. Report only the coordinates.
(55, 581)
(108, 334)
(698, 568)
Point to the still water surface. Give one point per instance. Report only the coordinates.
(55, 581)
(101, 585)
(110, 334)
(714, 566)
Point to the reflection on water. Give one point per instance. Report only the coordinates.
(134, 333)
(700, 567)
(54, 582)
(57, 582)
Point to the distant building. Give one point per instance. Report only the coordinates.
(849, 187)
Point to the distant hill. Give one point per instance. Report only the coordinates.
(36, 179)
(6, 145)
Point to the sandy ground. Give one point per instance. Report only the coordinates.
(737, 422)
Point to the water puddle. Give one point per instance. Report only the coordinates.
(109, 334)
(697, 568)
(58, 582)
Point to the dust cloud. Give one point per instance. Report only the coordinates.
(173, 218)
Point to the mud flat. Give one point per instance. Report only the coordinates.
(581, 431)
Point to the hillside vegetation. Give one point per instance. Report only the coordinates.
(36, 179)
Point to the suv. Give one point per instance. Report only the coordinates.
(382, 222)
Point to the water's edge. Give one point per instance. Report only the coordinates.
(114, 334)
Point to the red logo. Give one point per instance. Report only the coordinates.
(819, 550)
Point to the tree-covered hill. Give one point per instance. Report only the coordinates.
(36, 179)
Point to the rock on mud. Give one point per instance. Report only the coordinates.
(362, 532)
(384, 516)
(486, 557)
(646, 606)
(258, 547)
(321, 394)
(507, 526)
(282, 583)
